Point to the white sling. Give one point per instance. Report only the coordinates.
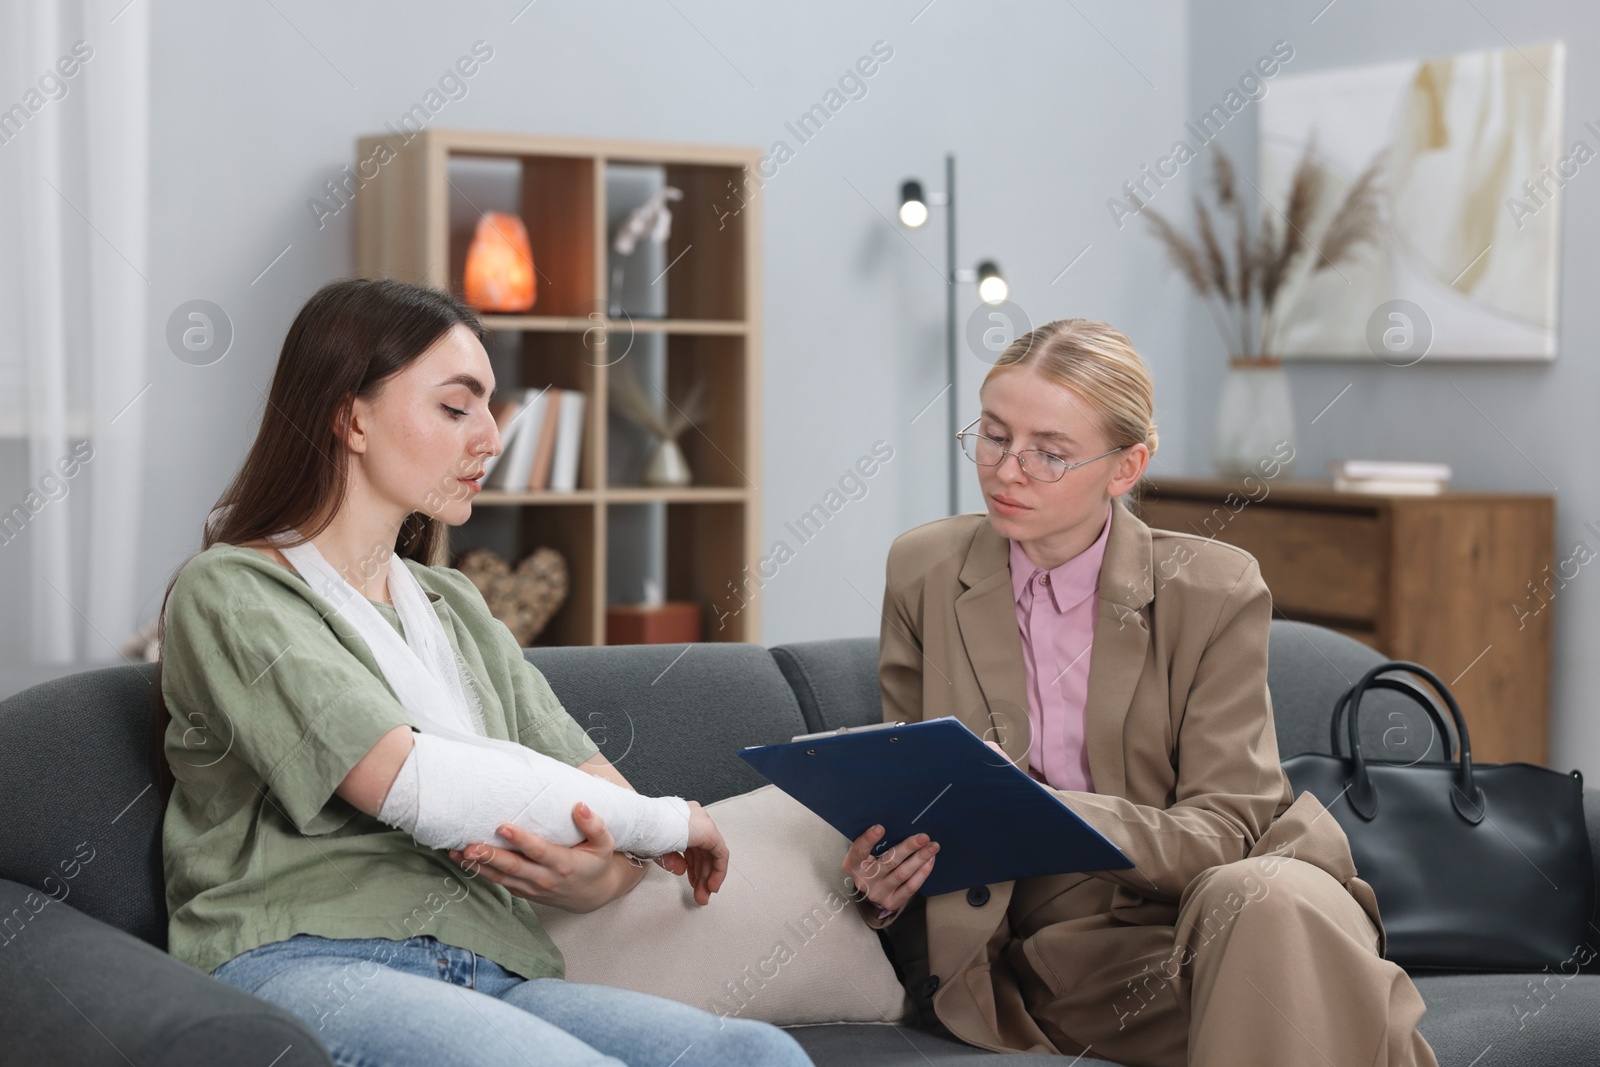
(422, 669)
(458, 784)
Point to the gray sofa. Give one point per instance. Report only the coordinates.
(86, 980)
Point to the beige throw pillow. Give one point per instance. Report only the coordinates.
(782, 941)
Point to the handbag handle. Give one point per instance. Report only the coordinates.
(1465, 797)
(1399, 686)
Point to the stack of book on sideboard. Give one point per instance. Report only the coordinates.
(541, 435)
(1388, 476)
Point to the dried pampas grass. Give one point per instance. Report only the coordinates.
(629, 400)
(1264, 262)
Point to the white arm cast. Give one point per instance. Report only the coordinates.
(450, 794)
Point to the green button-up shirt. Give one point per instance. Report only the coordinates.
(274, 698)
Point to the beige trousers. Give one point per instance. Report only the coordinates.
(1270, 963)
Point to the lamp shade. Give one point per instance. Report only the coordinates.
(913, 204)
(992, 288)
(499, 274)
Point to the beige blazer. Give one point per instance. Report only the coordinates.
(1182, 749)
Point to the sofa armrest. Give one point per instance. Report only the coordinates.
(76, 990)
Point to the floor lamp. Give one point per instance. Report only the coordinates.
(992, 288)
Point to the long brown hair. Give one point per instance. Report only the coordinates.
(347, 341)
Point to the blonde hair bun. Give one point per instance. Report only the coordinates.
(1097, 362)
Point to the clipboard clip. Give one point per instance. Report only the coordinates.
(847, 730)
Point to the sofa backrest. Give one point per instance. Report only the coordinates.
(672, 718)
(77, 769)
(835, 681)
(1308, 666)
(76, 761)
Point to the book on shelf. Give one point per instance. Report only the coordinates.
(1389, 476)
(569, 442)
(1389, 470)
(507, 419)
(509, 470)
(539, 473)
(1392, 486)
(541, 436)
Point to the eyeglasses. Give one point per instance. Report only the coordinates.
(1040, 466)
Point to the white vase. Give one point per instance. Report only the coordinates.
(667, 465)
(1254, 421)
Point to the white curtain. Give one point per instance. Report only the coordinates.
(74, 286)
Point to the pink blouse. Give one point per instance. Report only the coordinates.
(1056, 612)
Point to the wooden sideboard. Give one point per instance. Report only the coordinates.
(1447, 581)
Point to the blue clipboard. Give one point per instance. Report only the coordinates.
(992, 821)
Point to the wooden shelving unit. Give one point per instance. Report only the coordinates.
(710, 332)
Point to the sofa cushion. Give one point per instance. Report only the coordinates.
(782, 941)
(835, 681)
(672, 718)
(1308, 667)
(79, 991)
(77, 776)
(1525, 1018)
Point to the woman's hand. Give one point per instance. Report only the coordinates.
(579, 878)
(892, 879)
(705, 860)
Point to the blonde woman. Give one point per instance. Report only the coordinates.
(347, 717)
(1125, 668)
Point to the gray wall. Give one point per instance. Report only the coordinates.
(1043, 112)
(1536, 432)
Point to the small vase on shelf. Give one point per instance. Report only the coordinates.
(667, 465)
(1254, 416)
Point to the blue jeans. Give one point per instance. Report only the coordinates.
(377, 1002)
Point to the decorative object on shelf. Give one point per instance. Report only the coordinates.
(650, 221)
(499, 274)
(653, 621)
(1389, 476)
(1477, 162)
(992, 290)
(1255, 414)
(666, 466)
(524, 599)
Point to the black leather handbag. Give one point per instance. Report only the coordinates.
(1476, 868)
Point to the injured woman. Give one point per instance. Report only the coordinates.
(345, 710)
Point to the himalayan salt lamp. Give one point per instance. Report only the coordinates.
(499, 274)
